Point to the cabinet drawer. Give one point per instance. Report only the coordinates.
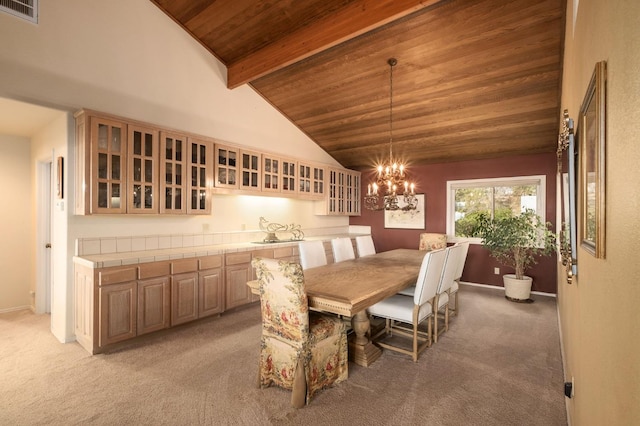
(210, 262)
(184, 265)
(265, 253)
(153, 270)
(237, 258)
(282, 252)
(118, 275)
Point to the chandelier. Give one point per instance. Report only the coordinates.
(391, 179)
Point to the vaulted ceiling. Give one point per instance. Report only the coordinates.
(474, 78)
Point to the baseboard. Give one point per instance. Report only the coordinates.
(564, 364)
(495, 287)
(17, 308)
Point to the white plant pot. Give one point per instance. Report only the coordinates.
(515, 289)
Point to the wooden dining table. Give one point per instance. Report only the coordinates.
(348, 288)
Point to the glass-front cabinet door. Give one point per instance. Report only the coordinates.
(311, 180)
(142, 186)
(226, 166)
(250, 170)
(352, 191)
(109, 174)
(200, 176)
(173, 148)
(289, 176)
(271, 168)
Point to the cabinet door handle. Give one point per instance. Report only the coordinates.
(48, 245)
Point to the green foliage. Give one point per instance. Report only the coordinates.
(516, 240)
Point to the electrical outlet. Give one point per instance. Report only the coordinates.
(570, 388)
(573, 386)
(496, 271)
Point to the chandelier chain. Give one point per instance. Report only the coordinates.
(392, 63)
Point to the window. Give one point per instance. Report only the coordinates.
(499, 196)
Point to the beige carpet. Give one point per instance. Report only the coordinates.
(499, 364)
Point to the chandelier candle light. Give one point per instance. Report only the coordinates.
(391, 179)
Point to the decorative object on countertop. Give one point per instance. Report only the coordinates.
(391, 178)
(272, 228)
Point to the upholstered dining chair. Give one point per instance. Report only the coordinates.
(432, 241)
(364, 244)
(455, 285)
(312, 254)
(451, 260)
(342, 249)
(301, 351)
(400, 311)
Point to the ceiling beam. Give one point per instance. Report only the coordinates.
(354, 19)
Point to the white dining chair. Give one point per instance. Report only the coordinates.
(342, 249)
(364, 244)
(451, 261)
(398, 310)
(455, 286)
(312, 254)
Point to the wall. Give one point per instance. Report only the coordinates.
(15, 260)
(599, 312)
(126, 57)
(432, 181)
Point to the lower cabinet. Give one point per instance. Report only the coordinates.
(210, 285)
(118, 306)
(184, 298)
(117, 303)
(154, 301)
(210, 292)
(238, 271)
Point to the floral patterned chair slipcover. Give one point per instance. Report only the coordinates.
(432, 241)
(299, 350)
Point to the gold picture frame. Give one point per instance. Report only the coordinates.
(60, 178)
(592, 160)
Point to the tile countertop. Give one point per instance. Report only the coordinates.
(135, 257)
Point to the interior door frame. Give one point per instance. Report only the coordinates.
(44, 213)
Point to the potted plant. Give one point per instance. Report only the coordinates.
(516, 241)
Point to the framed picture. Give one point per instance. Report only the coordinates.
(409, 219)
(60, 178)
(591, 139)
(568, 248)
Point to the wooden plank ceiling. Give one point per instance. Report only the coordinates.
(474, 79)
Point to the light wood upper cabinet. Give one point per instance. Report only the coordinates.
(271, 169)
(289, 177)
(279, 174)
(173, 150)
(250, 170)
(343, 196)
(352, 189)
(124, 166)
(226, 166)
(200, 172)
(101, 167)
(311, 180)
(142, 185)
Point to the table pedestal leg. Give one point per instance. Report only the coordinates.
(361, 350)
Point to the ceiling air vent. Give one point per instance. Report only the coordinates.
(25, 9)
